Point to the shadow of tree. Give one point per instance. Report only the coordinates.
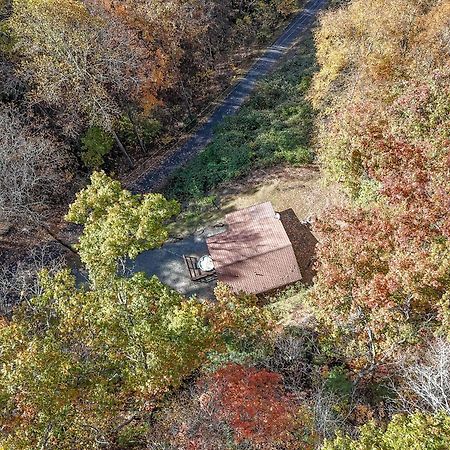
(303, 242)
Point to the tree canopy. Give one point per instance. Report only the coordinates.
(417, 431)
(117, 224)
(383, 131)
(85, 368)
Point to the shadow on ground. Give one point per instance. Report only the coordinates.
(303, 242)
(168, 265)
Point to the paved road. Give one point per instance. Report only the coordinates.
(155, 178)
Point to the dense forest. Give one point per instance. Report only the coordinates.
(358, 359)
(92, 84)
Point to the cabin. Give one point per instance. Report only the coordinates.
(254, 254)
(255, 250)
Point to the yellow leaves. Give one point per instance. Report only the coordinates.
(415, 431)
(374, 40)
(149, 101)
(75, 357)
(117, 224)
(186, 316)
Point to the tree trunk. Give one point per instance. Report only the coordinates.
(122, 148)
(136, 132)
(60, 241)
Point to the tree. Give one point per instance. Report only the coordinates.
(117, 224)
(77, 64)
(383, 263)
(96, 145)
(84, 368)
(378, 278)
(417, 432)
(253, 403)
(365, 44)
(32, 170)
(237, 406)
(372, 55)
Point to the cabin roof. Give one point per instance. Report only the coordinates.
(255, 254)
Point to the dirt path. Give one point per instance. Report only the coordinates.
(157, 175)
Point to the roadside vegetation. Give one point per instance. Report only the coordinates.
(275, 126)
(359, 360)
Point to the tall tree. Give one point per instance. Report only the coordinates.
(117, 224)
(32, 170)
(77, 64)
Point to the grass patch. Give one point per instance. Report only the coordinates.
(274, 126)
(198, 213)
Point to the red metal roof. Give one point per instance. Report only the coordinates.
(255, 254)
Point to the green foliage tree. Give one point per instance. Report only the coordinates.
(85, 368)
(138, 130)
(416, 432)
(117, 224)
(97, 144)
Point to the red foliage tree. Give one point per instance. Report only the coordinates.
(254, 404)
(236, 407)
(383, 274)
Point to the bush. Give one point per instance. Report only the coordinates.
(148, 130)
(337, 382)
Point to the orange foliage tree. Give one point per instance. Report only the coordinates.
(254, 404)
(383, 273)
(236, 406)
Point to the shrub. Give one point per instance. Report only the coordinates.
(338, 382)
(147, 129)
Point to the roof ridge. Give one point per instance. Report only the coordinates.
(259, 254)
